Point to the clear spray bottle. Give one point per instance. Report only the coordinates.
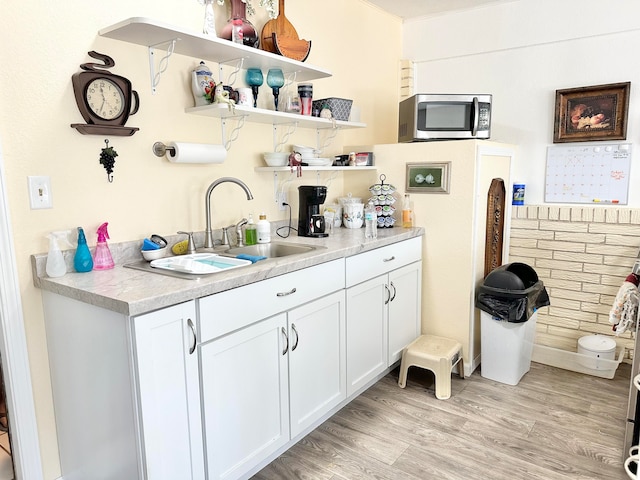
(56, 266)
(102, 259)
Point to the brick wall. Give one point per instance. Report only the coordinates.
(582, 254)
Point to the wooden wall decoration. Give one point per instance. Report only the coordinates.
(495, 226)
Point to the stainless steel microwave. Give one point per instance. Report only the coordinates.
(444, 117)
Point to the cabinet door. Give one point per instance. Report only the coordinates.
(366, 332)
(245, 397)
(169, 395)
(317, 360)
(404, 308)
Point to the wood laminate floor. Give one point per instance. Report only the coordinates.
(555, 424)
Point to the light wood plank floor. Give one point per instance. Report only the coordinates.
(555, 424)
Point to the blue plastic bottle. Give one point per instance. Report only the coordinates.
(82, 260)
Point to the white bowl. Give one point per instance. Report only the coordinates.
(154, 254)
(276, 159)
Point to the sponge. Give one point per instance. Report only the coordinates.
(180, 248)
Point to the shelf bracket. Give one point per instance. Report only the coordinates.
(321, 146)
(285, 138)
(233, 136)
(232, 76)
(162, 65)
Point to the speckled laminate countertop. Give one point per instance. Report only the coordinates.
(134, 292)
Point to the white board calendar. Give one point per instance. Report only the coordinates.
(588, 174)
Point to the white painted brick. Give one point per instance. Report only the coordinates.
(578, 257)
(619, 261)
(564, 226)
(599, 288)
(559, 265)
(598, 308)
(611, 215)
(624, 240)
(565, 303)
(596, 328)
(538, 234)
(564, 321)
(530, 252)
(523, 242)
(558, 293)
(563, 246)
(614, 229)
(624, 215)
(543, 212)
(613, 250)
(587, 214)
(569, 285)
(614, 280)
(565, 214)
(532, 212)
(579, 237)
(607, 270)
(526, 224)
(584, 277)
(599, 215)
(554, 213)
(635, 217)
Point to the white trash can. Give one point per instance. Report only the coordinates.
(506, 348)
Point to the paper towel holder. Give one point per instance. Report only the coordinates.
(160, 149)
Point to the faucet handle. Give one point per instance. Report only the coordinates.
(225, 235)
(191, 246)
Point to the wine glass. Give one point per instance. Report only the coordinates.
(275, 79)
(254, 79)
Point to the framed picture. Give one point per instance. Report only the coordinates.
(587, 114)
(428, 177)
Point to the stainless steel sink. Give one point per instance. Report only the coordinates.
(271, 250)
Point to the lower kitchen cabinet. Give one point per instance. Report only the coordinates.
(266, 383)
(169, 392)
(383, 313)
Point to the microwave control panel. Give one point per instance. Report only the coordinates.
(484, 116)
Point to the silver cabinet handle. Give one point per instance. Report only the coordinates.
(386, 287)
(195, 338)
(284, 294)
(394, 292)
(295, 345)
(390, 259)
(286, 345)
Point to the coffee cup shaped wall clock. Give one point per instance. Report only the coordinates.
(104, 99)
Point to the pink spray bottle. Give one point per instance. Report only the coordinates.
(103, 259)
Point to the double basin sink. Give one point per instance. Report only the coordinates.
(202, 264)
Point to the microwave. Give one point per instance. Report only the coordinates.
(424, 117)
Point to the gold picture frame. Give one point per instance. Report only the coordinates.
(594, 113)
(428, 177)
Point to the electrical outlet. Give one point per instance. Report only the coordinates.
(282, 199)
(39, 192)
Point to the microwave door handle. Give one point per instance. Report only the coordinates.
(475, 117)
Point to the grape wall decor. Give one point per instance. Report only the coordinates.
(108, 159)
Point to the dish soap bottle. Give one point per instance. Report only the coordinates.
(55, 260)
(82, 260)
(103, 259)
(370, 221)
(407, 213)
(264, 229)
(250, 232)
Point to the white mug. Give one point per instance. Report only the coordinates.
(245, 97)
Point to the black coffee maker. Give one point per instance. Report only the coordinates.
(310, 220)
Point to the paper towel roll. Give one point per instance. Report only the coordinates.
(180, 152)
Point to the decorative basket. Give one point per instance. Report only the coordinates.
(340, 107)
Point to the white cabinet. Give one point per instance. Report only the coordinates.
(125, 390)
(276, 376)
(169, 392)
(383, 313)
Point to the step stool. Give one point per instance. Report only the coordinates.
(437, 354)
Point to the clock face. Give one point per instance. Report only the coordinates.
(105, 98)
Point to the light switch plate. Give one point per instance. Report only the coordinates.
(39, 192)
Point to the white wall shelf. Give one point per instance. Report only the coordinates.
(271, 117)
(152, 33)
(313, 169)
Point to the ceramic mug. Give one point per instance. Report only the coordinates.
(245, 97)
(353, 215)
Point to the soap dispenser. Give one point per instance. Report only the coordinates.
(82, 260)
(103, 259)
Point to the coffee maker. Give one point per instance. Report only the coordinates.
(310, 220)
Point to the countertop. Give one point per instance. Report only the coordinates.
(133, 292)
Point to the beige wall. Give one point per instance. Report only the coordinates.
(44, 45)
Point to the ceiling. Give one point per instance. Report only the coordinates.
(421, 8)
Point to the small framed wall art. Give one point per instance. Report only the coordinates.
(428, 177)
(587, 114)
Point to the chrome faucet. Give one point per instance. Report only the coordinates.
(208, 241)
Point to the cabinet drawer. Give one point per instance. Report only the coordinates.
(225, 312)
(382, 260)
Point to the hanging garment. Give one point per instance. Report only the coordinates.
(623, 314)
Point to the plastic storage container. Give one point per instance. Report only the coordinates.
(594, 348)
(509, 298)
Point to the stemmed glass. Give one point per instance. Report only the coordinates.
(254, 79)
(275, 79)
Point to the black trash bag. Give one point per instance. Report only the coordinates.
(512, 292)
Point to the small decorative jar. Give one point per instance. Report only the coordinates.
(202, 85)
